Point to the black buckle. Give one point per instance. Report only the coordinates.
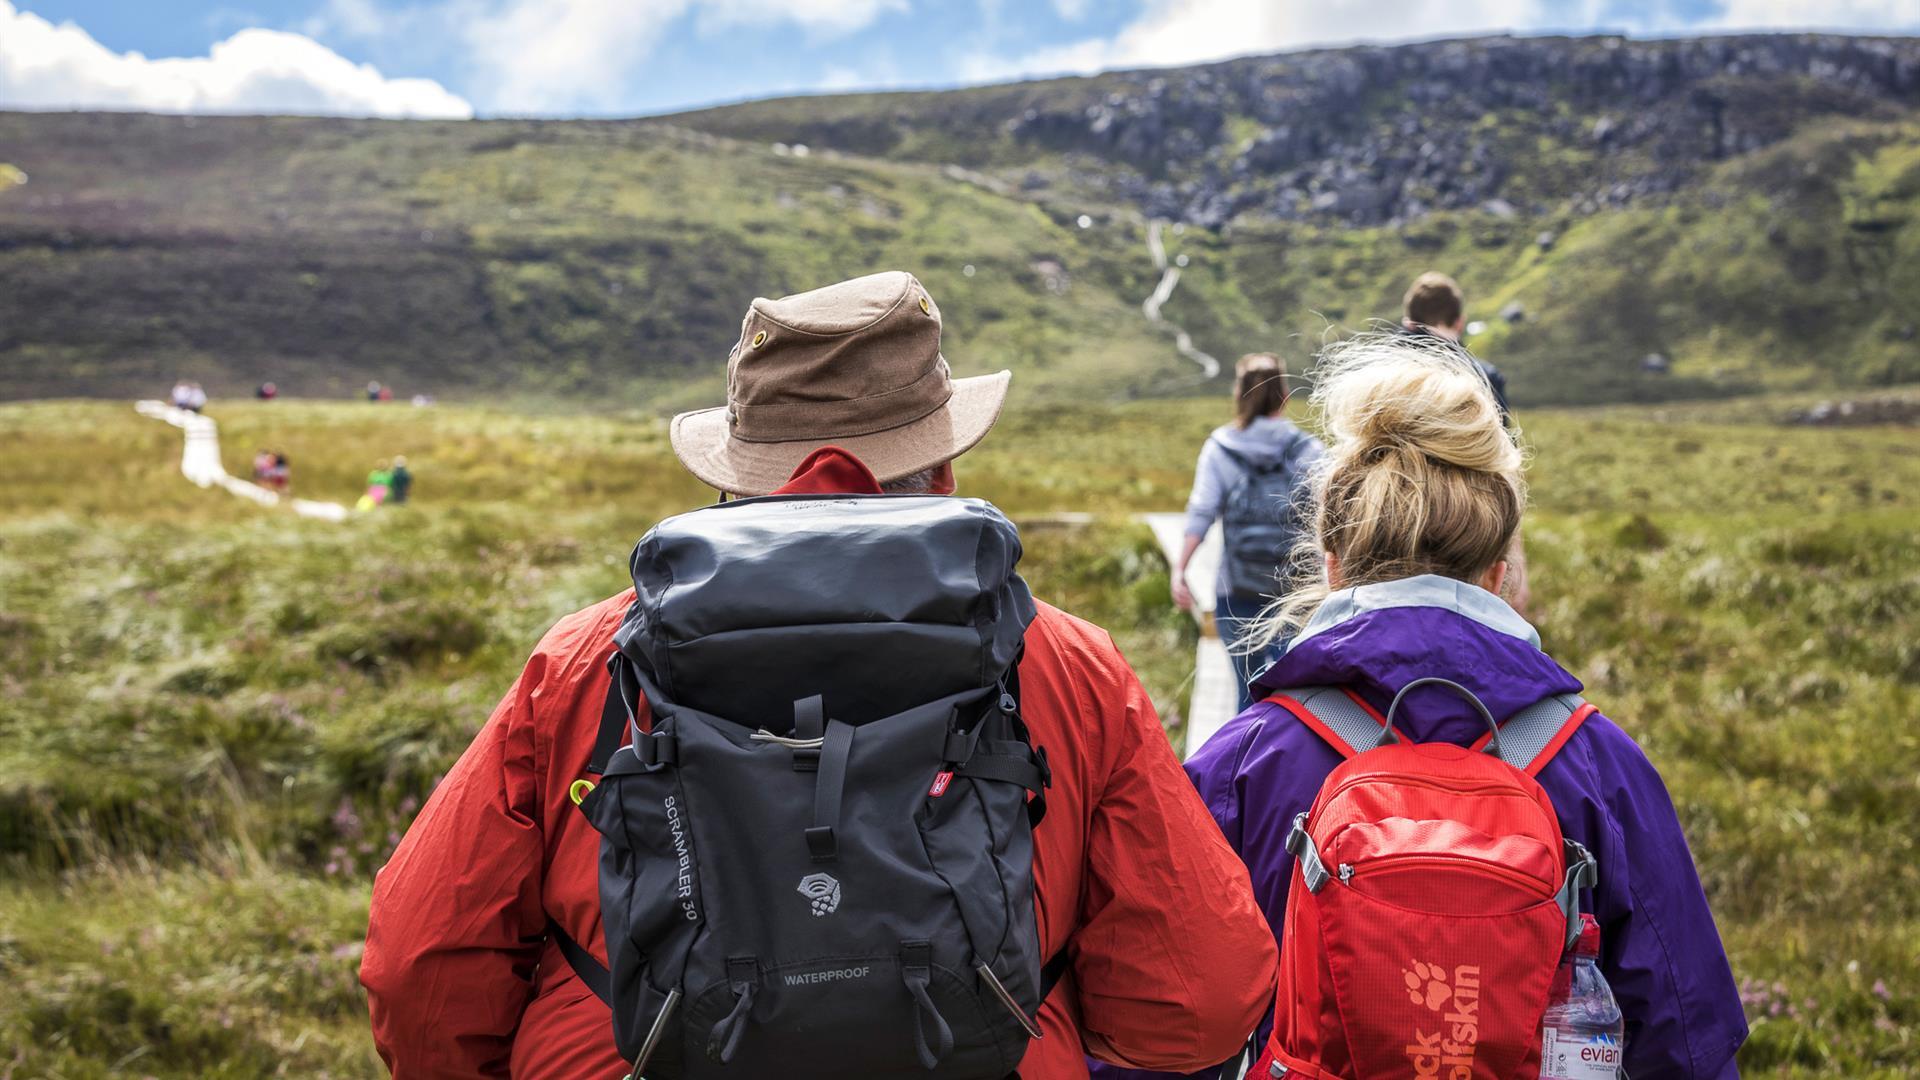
(959, 747)
(655, 750)
(821, 844)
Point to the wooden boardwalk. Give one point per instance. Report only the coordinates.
(1215, 695)
(200, 463)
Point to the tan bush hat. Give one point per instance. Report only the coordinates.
(855, 365)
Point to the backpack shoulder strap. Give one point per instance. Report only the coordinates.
(1530, 737)
(590, 970)
(615, 714)
(1301, 442)
(1233, 455)
(1339, 716)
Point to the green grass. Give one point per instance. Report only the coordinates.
(215, 719)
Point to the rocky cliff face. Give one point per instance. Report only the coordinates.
(1377, 135)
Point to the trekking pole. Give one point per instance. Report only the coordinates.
(654, 1033)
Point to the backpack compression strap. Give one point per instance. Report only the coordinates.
(593, 973)
(1017, 761)
(1528, 739)
(615, 715)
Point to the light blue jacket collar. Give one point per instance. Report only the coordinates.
(1425, 590)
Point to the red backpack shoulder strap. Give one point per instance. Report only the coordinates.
(1341, 718)
(1530, 737)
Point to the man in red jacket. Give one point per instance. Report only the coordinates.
(842, 390)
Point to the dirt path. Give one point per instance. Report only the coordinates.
(200, 463)
(1169, 279)
(1215, 698)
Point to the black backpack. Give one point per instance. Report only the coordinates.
(1263, 518)
(819, 862)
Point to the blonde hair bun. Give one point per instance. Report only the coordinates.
(1381, 392)
(1421, 475)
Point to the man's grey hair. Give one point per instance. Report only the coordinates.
(920, 483)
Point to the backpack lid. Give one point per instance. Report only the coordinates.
(878, 603)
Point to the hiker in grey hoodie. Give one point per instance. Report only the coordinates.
(1251, 478)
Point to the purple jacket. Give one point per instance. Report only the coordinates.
(1660, 950)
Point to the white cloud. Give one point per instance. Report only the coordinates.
(539, 56)
(1173, 32)
(43, 66)
(1858, 15)
(1071, 10)
(546, 55)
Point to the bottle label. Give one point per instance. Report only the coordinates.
(1566, 1055)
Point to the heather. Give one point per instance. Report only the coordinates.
(215, 719)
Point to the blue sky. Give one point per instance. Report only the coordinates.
(626, 57)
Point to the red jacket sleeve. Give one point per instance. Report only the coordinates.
(456, 925)
(1173, 962)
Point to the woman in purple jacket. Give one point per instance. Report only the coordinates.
(1419, 497)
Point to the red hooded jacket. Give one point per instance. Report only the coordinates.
(1172, 961)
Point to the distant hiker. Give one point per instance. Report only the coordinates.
(817, 887)
(196, 398)
(282, 474)
(379, 486)
(182, 396)
(267, 392)
(1435, 307)
(400, 483)
(262, 466)
(374, 390)
(1416, 508)
(1249, 478)
(386, 394)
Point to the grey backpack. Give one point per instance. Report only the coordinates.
(1263, 517)
(819, 860)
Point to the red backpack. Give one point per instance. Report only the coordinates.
(1432, 900)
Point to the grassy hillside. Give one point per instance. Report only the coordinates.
(562, 260)
(1744, 207)
(1795, 267)
(215, 720)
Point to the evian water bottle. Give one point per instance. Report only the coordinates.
(1582, 1036)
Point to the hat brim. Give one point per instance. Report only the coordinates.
(705, 444)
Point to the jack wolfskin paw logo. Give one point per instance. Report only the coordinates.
(1426, 985)
(823, 892)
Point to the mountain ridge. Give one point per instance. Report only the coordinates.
(610, 260)
(1272, 118)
